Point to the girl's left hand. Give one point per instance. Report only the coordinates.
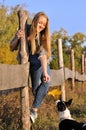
(46, 78)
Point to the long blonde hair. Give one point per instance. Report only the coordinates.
(44, 35)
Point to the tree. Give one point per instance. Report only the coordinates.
(76, 42)
(77, 39)
(8, 28)
(6, 56)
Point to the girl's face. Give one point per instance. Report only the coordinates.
(41, 24)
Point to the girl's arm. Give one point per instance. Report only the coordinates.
(43, 59)
(15, 41)
(14, 44)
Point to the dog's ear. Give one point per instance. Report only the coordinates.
(68, 103)
(57, 102)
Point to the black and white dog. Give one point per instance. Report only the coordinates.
(66, 121)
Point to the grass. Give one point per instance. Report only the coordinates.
(48, 119)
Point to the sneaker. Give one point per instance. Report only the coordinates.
(33, 115)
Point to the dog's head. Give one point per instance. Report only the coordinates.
(62, 105)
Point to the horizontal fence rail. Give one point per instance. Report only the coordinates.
(13, 76)
(16, 76)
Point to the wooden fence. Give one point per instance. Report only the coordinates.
(16, 76)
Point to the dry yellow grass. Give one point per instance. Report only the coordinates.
(10, 108)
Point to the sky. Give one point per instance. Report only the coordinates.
(67, 14)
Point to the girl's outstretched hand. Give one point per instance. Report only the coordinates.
(46, 78)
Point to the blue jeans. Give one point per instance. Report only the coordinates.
(39, 87)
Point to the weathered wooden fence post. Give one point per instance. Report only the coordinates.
(23, 15)
(83, 64)
(82, 68)
(73, 68)
(61, 66)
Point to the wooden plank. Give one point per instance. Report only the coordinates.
(69, 74)
(80, 77)
(13, 76)
(57, 77)
(16, 76)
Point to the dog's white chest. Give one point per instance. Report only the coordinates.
(65, 115)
